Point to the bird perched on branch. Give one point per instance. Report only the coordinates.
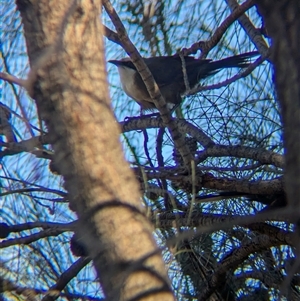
(168, 73)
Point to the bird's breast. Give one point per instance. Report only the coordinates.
(132, 84)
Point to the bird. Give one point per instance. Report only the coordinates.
(169, 76)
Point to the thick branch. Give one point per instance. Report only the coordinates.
(68, 82)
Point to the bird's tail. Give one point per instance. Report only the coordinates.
(236, 61)
(200, 69)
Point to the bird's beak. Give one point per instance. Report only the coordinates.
(115, 62)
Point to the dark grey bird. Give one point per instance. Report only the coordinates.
(168, 74)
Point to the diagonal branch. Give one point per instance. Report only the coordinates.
(151, 85)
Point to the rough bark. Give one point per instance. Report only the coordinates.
(282, 24)
(68, 82)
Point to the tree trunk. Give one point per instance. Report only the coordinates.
(282, 24)
(68, 82)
